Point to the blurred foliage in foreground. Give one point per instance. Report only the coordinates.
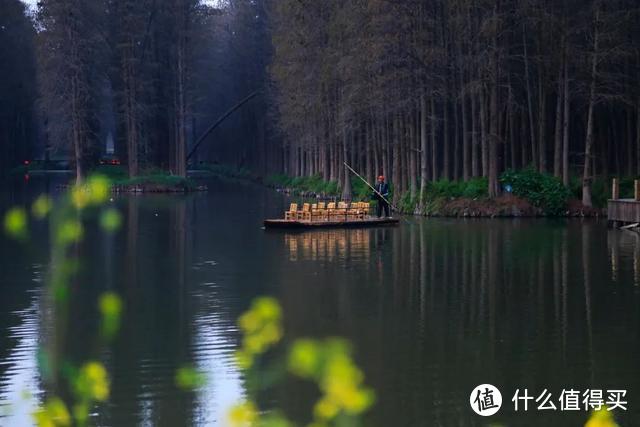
(326, 363)
(87, 384)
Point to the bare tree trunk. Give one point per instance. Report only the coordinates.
(411, 152)
(466, 152)
(629, 138)
(181, 96)
(557, 147)
(638, 136)
(396, 160)
(434, 146)
(346, 186)
(494, 126)
(456, 142)
(475, 172)
(446, 149)
(586, 173)
(534, 154)
(565, 122)
(542, 123)
(484, 144)
(77, 126)
(369, 143)
(424, 159)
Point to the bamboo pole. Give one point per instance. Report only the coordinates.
(370, 186)
(636, 190)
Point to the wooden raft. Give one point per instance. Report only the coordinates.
(331, 223)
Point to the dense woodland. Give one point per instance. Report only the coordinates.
(416, 90)
(150, 74)
(424, 90)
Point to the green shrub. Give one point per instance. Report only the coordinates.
(476, 188)
(542, 190)
(407, 203)
(443, 188)
(314, 184)
(112, 171)
(360, 190)
(278, 180)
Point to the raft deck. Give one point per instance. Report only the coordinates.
(332, 223)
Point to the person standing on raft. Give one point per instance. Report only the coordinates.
(382, 193)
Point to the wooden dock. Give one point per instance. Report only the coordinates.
(313, 225)
(621, 212)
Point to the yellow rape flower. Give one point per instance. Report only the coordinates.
(268, 308)
(243, 415)
(41, 206)
(110, 306)
(601, 418)
(79, 196)
(244, 359)
(15, 222)
(98, 188)
(53, 414)
(93, 382)
(69, 231)
(110, 220)
(188, 378)
(261, 328)
(304, 358)
(325, 409)
(249, 322)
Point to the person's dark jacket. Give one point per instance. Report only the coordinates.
(382, 189)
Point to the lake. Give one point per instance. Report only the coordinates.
(433, 308)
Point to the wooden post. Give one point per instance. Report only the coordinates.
(615, 189)
(636, 190)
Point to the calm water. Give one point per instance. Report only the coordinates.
(433, 307)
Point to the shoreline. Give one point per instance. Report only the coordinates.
(504, 206)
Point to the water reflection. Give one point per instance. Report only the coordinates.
(330, 245)
(19, 385)
(442, 305)
(433, 307)
(173, 317)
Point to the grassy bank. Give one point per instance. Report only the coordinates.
(149, 180)
(524, 193)
(315, 186)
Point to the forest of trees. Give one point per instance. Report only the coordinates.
(151, 74)
(416, 90)
(17, 91)
(423, 90)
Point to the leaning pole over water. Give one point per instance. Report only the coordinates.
(220, 120)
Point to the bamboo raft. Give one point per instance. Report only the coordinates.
(349, 223)
(319, 215)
